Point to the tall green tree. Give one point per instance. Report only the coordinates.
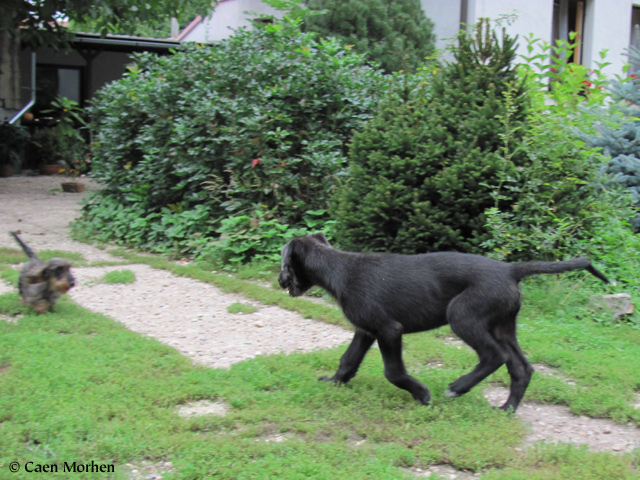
(44, 22)
(394, 33)
(423, 171)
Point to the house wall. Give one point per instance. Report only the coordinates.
(446, 18)
(519, 17)
(228, 16)
(608, 27)
(607, 24)
(106, 66)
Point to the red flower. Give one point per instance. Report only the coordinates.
(255, 162)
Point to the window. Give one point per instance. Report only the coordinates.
(52, 81)
(568, 19)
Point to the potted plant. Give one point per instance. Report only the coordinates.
(10, 146)
(75, 165)
(47, 148)
(63, 146)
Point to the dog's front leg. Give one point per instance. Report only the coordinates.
(390, 343)
(352, 358)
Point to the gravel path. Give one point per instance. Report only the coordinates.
(192, 316)
(188, 315)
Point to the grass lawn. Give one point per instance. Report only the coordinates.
(76, 386)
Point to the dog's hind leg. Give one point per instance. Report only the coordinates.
(520, 370)
(352, 358)
(469, 320)
(390, 343)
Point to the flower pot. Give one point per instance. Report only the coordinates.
(72, 187)
(50, 169)
(6, 170)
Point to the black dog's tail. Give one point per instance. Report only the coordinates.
(30, 253)
(525, 269)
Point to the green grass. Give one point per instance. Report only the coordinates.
(77, 386)
(243, 308)
(119, 276)
(14, 256)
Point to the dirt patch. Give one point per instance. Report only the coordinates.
(201, 408)
(554, 423)
(146, 470)
(443, 471)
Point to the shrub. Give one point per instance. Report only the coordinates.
(561, 203)
(424, 169)
(183, 141)
(396, 34)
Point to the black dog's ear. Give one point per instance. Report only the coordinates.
(320, 236)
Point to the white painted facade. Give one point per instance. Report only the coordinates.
(228, 15)
(607, 24)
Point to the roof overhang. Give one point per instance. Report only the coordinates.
(122, 43)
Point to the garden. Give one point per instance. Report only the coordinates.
(221, 154)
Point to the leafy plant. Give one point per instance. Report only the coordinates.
(12, 143)
(260, 119)
(64, 142)
(260, 236)
(559, 200)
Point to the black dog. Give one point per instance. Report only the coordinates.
(387, 295)
(41, 284)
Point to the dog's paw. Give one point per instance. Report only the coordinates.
(451, 394)
(333, 380)
(424, 399)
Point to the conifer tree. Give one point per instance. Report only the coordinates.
(394, 33)
(622, 144)
(423, 170)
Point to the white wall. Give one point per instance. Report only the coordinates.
(229, 15)
(607, 24)
(446, 18)
(524, 17)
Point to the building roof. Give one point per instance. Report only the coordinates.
(123, 43)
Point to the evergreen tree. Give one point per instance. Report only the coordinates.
(423, 170)
(622, 144)
(394, 33)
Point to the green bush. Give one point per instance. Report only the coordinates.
(562, 204)
(423, 171)
(184, 141)
(396, 34)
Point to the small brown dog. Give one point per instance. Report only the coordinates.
(41, 284)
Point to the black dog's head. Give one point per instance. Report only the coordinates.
(295, 274)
